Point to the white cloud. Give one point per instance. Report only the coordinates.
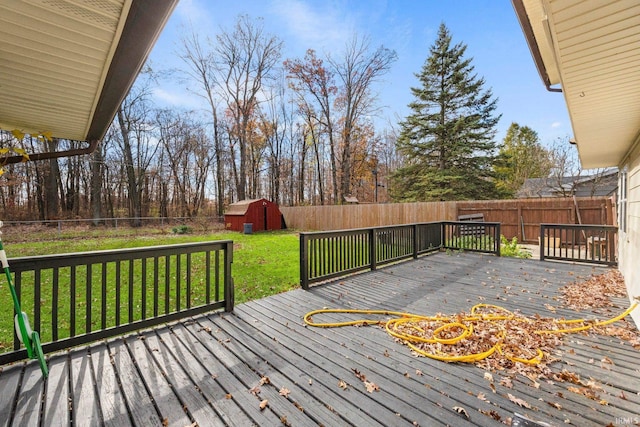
(556, 125)
(176, 98)
(195, 15)
(313, 28)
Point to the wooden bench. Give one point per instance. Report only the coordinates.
(472, 230)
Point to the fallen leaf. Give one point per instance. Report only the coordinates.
(228, 396)
(359, 375)
(371, 387)
(518, 401)
(342, 385)
(488, 377)
(493, 414)
(482, 397)
(555, 405)
(255, 390)
(265, 380)
(506, 382)
(284, 392)
(264, 404)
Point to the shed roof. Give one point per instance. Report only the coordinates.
(66, 66)
(241, 207)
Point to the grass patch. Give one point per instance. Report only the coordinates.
(264, 263)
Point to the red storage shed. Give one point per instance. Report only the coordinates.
(261, 213)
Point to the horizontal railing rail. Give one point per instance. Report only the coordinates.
(595, 244)
(77, 298)
(328, 254)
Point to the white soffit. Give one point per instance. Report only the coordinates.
(597, 48)
(54, 56)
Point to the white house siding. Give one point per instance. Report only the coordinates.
(629, 249)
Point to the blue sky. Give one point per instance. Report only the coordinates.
(489, 28)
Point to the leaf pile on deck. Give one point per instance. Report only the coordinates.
(496, 339)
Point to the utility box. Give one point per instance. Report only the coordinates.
(254, 214)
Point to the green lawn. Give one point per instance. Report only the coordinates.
(264, 263)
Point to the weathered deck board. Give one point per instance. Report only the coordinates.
(56, 406)
(210, 369)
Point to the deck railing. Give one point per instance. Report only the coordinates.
(77, 298)
(329, 254)
(594, 244)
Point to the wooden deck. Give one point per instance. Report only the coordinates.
(216, 369)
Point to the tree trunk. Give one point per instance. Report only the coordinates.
(132, 183)
(96, 165)
(51, 180)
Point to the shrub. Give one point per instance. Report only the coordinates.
(182, 229)
(512, 249)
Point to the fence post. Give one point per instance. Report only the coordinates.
(497, 239)
(229, 293)
(304, 268)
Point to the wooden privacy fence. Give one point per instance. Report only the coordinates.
(330, 254)
(520, 218)
(74, 299)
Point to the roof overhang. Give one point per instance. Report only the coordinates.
(591, 49)
(66, 65)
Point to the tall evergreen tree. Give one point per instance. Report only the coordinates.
(447, 140)
(521, 157)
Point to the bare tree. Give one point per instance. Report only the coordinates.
(202, 69)
(566, 170)
(245, 58)
(343, 107)
(135, 145)
(358, 70)
(314, 83)
(188, 153)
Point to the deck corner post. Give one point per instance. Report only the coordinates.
(415, 241)
(304, 268)
(541, 242)
(497, 240)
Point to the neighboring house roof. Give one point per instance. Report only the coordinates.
(66, 66)
(591, 49)
(598, 185)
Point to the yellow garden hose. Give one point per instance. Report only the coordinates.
(450, 330)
